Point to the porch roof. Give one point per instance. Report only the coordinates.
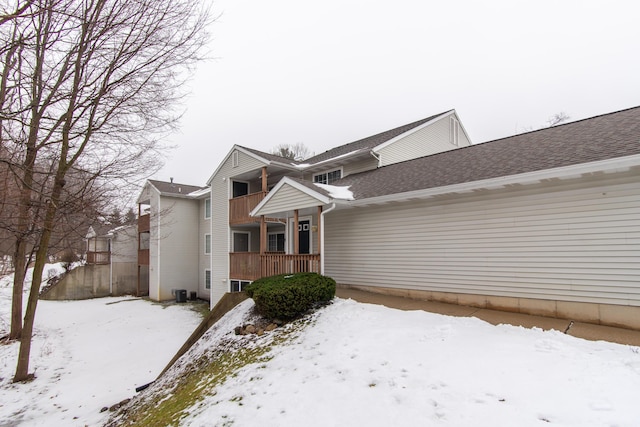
(292, 193)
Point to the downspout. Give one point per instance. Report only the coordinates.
(377, 157)
(322, 229)
(110, 268)
(157, 247)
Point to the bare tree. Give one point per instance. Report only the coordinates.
(88, 88)
(557, 119)
(554, 120)
(297, 151)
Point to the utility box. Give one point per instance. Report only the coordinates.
(193, 295)
(181, 295)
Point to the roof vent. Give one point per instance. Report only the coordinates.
(171, 180)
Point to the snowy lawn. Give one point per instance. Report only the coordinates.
(365, 365)
(349, 364)
(87, 355)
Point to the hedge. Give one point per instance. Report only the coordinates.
(288, 296)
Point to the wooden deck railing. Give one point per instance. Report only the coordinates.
(143, 256)
(252, 265)
(144, 224)
(239, 207)
(244, 265)
(101, 258)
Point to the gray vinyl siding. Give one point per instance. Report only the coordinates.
(155, 207)
(178, 262)
(220, 234)
(429, 140)
(361, 166)
(566, 242)
(204, 263)
(288, 198)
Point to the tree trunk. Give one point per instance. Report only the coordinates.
(19, 268)
(22, 368)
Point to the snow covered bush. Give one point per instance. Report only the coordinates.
(288, 296)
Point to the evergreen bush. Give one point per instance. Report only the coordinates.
(287, 296)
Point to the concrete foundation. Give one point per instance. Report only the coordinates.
(599, 314)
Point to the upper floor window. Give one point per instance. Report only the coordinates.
(327, 177)
(207, 209)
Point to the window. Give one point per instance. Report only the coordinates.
(238, 285)
(240, 188)
(207, 279)
(144, 241)
(454, 130)
(275, 242)
(240, 241)
(207, 209)
(207, 244)
(327, 177)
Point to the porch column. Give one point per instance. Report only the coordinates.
(319, 229)
(296, 235)
(264, 179)
(263, 235)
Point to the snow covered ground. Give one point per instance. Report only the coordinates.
(367, 365)
(87, 355)
(354, 365)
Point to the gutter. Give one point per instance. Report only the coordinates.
(377, 157)
(333, 206)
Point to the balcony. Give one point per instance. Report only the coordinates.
(239, 207)
(252, 265)
(99, 258)
(144, 224)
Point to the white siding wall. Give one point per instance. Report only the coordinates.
(154, 244)
(288, 198)
(179, 255)
(361, 166)
(124, 245)
(220, 221)
(571, 242)
(204, 227)
(424, 142)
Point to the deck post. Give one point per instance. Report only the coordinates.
(318, 243)
(296, 235)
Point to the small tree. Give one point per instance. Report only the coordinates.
(130, 217)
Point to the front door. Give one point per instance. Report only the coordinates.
(304, 236)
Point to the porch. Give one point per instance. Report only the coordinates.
(253, 265)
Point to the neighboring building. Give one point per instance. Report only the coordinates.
(98, 245)
(110, 267)
(546, 222)
(172, 224)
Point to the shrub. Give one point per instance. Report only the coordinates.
(288, 296)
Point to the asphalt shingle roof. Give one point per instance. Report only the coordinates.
(369, 142)
(175, 188)
(602, 137)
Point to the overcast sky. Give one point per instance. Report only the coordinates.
(331, 72)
